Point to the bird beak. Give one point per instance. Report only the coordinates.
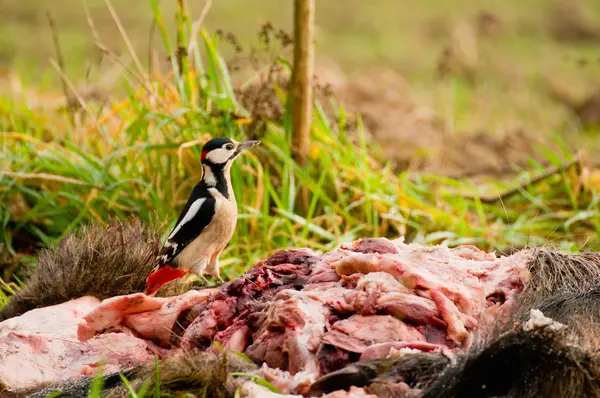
(247, 144)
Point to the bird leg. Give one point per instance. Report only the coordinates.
(218, 277)
(204, 280)
(213, 267)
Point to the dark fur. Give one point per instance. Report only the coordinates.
(98, 261)
(522, 364)
(416, 370)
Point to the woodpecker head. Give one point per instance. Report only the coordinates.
(222, 151)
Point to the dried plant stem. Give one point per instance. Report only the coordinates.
(197, 25)
(182, 59)
(46, 177)
(61, 64)
(512, 191)
(128, 43)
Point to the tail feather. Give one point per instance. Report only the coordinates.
(161, 276)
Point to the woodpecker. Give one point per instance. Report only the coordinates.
(207, 222)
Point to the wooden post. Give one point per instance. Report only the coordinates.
(302, 74)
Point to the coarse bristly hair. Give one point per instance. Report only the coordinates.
(98, 261)
(199, 373)
(554, 273)
(522, 364)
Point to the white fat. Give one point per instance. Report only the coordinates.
(191, 213)
(395, 353)
(220, 155)
(538, 320)
(251, 390)
(286, 382)
(398, 241)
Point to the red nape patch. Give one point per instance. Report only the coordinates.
(203, 155)
(161, 276)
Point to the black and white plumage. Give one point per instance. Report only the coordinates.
(208, 220)
(195, 217)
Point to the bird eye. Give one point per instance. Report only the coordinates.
(229, 147)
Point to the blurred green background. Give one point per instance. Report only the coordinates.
(516, 66)
(409, 36)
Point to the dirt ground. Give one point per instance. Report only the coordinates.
(414, 137)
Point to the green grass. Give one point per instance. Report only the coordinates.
(140, 157)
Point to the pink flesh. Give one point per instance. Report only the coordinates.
(151, 317)
(44, 341)
(382, 350)
(369, 297)
(358, 332)
(285, 382)
(111, 311)
(303, 321)
(157, 324)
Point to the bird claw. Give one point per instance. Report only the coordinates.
(217, 276)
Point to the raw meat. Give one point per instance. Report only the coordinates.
(70, 340)
(252, 390)
(459, 281)
(298, 322)
(299, 314)
(384, 350)
(358, 332)
(44, 342)
(538, 320)
(286, 382)
(152, 318)
(366, 300)
(110, 313)
(237, 300)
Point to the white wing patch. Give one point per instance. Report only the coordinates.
(172, 244)
(191, 213)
